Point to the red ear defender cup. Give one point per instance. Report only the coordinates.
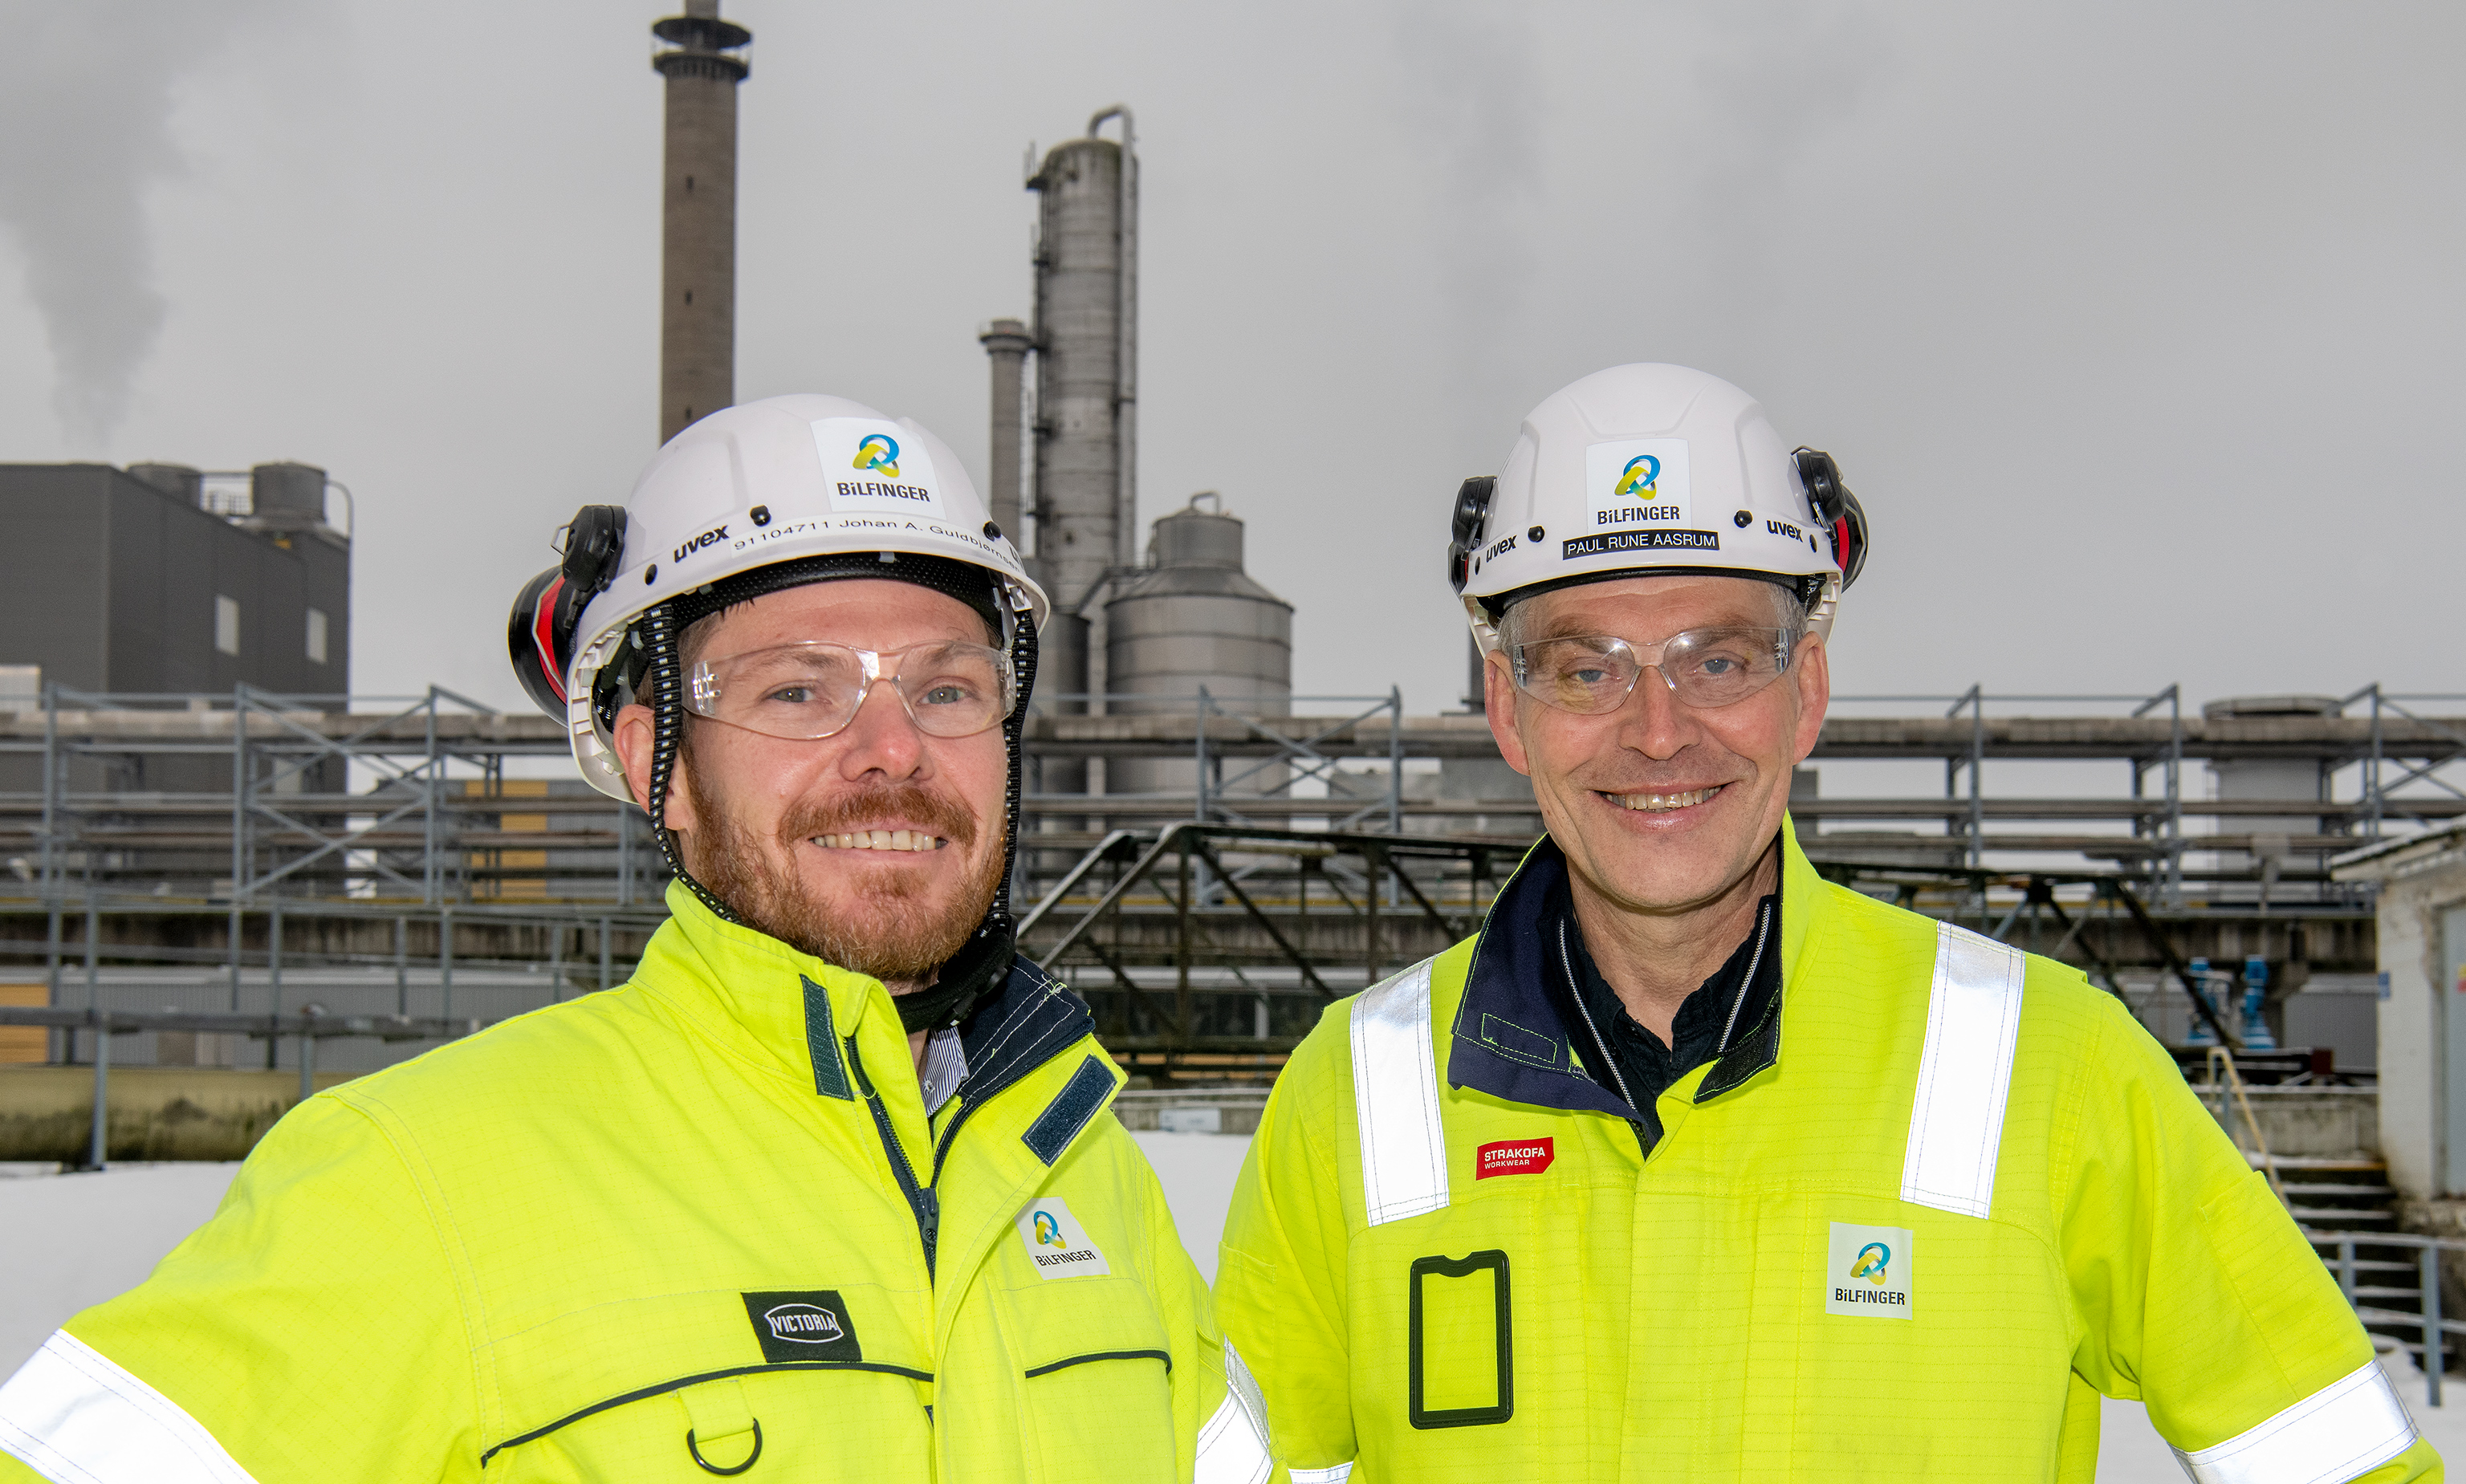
(539, 634)
(1837, 509)
(533, 644)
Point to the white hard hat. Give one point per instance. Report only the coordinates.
(752, 499)
(783, 480)
(1650, 470)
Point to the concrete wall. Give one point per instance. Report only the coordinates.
(154, 1113)
(2334, 1122)
(2413, 1019)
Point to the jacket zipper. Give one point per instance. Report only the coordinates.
(921, 1198)
(1567, 967)
(1755, 961)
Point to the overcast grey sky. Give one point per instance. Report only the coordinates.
(2136, 327)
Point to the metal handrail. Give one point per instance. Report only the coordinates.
(2429, 1323)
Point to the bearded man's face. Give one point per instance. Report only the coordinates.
(878, 848)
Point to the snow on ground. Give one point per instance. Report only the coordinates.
(70, 1241)
(1197, 1171)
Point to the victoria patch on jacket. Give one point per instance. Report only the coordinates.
(812, 1325)
(1054, 1240)
(1867, 1272)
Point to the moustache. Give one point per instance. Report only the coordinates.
(913, 802)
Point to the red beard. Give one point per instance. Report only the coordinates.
(889, 928)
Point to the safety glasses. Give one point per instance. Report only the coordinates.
(1705, 668)
(811, 690)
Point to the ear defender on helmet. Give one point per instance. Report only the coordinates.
(539, 634)
(1472, 510)
(1838, 510)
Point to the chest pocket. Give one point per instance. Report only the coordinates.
(1091, 1368)
(1460, 1328)
(653, 1387)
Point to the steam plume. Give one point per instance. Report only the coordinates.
(85, 103)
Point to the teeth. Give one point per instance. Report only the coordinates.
(878, 840)
(1658, 804)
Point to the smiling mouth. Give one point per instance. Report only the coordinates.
(1663, 803)
(880, 840)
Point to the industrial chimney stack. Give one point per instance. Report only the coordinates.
(1006, 344)
(698, 271)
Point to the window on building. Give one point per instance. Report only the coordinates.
(316, 636)
(227, 624)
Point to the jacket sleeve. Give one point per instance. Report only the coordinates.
(1219, 1420)
(2199, 1295)
(310, 1331)
(1279, 1279)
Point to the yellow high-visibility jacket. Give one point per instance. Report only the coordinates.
(650, 1233)
(1907, 1228)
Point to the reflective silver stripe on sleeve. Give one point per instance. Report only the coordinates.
(2350, 1427)
(1337, 1474)
(1233, 1446)
(1957, 1122)
(1396, 1099)
(74, 1416)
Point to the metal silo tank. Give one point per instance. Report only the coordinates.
(1195, 618)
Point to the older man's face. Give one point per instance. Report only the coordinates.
(878, 848)
(1660, 807)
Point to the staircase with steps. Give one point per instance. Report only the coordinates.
(2351, 1196)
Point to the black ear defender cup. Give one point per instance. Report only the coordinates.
(1837, 509)
(1464, 529)
(539, 634)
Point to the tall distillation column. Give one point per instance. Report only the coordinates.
(698, 268)
(1085, 488)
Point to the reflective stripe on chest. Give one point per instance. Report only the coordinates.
(1396, 1099)
(1956, 1114)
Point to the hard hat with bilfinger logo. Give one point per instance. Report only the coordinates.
(1647, 470)
(752, 499)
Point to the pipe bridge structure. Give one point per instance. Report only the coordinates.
(428, 862)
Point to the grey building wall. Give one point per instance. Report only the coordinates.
(110, 584)
(54, 576)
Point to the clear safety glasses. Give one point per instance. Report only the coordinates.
(811, 690)
(1706, 668)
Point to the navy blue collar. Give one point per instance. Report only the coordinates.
(1032, 1019)
(1509, 1039)
(1514, 1037)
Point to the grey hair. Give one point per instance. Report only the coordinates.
(1789, 615)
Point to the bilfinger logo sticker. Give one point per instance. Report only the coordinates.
(1056, 1242)
(1867, 1272)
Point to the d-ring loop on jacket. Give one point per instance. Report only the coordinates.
(708, 1466)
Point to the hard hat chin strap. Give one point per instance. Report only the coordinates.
(664, 680)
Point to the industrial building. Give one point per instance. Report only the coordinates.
(161, 578)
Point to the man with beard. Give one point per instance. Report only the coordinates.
(828, 1187)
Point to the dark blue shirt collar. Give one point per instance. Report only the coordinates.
(1517, 1035)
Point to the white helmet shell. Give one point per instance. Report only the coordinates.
(1642, 470)
(772, 481)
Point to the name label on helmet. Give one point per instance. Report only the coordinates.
(1639, 541)
(871, 467)
(1637, 481)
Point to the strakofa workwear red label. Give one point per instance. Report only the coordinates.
(1513, 1156)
